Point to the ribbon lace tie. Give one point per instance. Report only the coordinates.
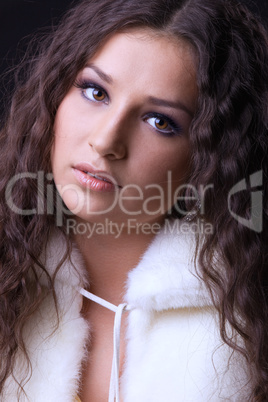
(118, 310)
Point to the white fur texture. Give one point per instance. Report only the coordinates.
(173, 352)
(55, 356)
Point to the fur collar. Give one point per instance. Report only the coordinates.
(163, 279)
(167, 272)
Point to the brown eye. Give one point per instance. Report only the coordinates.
(95, 94)
(161, 124)
(98, 94)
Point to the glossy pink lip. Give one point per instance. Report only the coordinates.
(93, 179)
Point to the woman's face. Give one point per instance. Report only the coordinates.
(121, 147)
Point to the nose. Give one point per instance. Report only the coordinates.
(109, 137)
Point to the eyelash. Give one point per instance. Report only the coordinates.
(175, 128)
(83, 85)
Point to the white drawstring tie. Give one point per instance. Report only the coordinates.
(118, 310)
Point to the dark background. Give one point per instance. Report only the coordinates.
(21, 18)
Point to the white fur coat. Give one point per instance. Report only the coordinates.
(174, 352)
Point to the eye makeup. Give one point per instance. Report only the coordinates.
(160, 122)
(84, 85)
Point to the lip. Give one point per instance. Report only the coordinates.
(97, 180)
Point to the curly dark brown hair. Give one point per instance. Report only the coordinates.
(229, 141)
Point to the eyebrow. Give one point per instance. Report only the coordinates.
(167, 103)
(155, 101)
(105, 77)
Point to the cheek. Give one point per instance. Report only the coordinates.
(67, 118)
(182, 167)
(166, 177)
(175, 164)
(56, 154)
(178, 172)
(64, 139)
(57, 143)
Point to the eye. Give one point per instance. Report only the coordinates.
(95, 94)
(158, 122)
(92, 92)
(163, 124)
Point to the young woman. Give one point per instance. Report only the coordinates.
(134, 200)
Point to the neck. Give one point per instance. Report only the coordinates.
(109, 257)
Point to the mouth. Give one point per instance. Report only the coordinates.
(95, 179)
(98, 177)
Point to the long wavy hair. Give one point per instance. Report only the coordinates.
(229, 142)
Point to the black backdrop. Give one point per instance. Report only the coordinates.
(20, 18)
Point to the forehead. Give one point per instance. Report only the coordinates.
(143, 47)
(143, 58)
